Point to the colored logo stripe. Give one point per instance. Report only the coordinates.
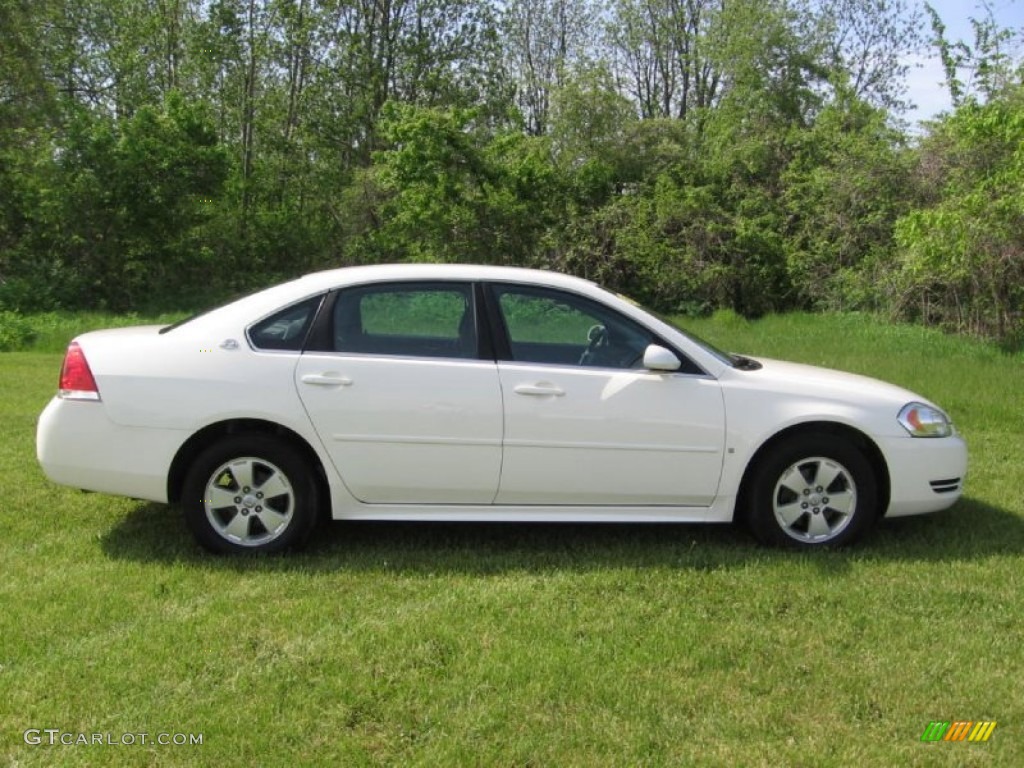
(958, 730)
(982, 731)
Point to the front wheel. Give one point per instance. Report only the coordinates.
(812, 490)
(249, 493)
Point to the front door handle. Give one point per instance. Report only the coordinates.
(326, 380)
(539, 390)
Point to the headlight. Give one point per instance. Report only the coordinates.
(922, 420)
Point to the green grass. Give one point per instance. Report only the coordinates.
(522, 645)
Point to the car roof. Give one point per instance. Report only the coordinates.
(257, 305)
(373, 273)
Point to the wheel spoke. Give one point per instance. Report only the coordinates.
(242, 470)
(793, 480)
(275, 485)
(842, 502)
(826, 474)
(219, 498)
(272, 520)
(818, 526)
(238, 527)
(789, 513)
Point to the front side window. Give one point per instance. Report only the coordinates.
(547, 326)
(406, 319)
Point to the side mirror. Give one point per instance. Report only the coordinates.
(660, 359)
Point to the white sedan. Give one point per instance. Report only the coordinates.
(464, 393)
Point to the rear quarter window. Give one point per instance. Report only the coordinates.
(286, 329)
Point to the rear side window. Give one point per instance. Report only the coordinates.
(407, 319)
(286, 329)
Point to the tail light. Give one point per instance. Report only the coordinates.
(76, 380)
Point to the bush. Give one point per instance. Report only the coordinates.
(16, 332)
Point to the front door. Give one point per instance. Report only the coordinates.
(585, 424)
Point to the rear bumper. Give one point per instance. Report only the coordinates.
(77, 445)
(925, 474)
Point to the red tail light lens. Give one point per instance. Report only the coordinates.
(76, 380)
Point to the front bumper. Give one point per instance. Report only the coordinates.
(925, 474)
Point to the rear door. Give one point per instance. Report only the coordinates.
(404, 405)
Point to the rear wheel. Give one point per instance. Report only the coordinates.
(249, 493)
(812, 490)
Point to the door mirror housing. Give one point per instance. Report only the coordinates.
(657, 358)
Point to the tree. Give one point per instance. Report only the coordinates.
(664, 53)
(988, 62)
(455, 192)
(867, 44)
(543, 41)
(847, 183)
(121, 216)
(963, 252)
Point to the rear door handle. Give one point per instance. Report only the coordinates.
(326, 380)
(539, 390)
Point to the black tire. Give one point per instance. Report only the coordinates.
(250, 493)
(811, 491)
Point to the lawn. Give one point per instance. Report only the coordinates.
(524, 645)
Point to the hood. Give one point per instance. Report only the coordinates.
(825, 383)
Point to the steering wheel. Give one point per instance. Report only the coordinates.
(597, 339)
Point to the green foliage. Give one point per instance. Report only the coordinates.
(119, 214)
(847, 183)
(699, 155)
(989, 58)
(704, 231)
(962, 254)
(869, 46)
(452, 192)
(16, 332)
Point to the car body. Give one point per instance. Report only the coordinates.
(469, 393)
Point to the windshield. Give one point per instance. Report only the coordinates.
(725, 357)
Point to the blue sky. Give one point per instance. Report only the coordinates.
(925, 82)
